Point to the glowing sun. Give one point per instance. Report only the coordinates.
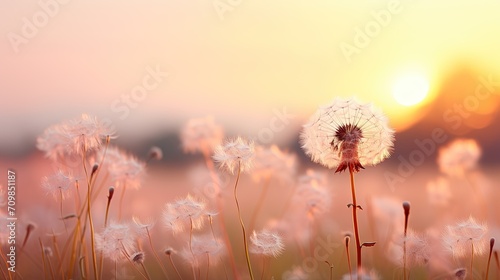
(410, 90)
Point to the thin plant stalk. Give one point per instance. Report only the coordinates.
(471, 260)
(347, 239)
(191, 247)
(173, 265)
(43, 260)
(355, 220)
(106, 215)
(91, 223)
(245, 243)
(264, 263)
(220, 208)
(406, 207)
(492, 244)
(163, 269)
(208, 265)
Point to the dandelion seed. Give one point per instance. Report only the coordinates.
(76, 136)
(235, 153)
(184, 212)
(271, 161)
(465, 237)
(115, 240)
(125, 170)
(458, 157)
(266, 243)
(59, 184)
(347, 134)
(201, 135)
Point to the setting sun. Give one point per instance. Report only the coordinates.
(410, 90)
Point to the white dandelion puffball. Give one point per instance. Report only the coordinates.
(458, 157)
(347, 134)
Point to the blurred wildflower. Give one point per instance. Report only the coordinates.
(58, 184)
(125, 170)
(296, 273)
(271, 161)
(266, 243)
(312, 196)
(235, 153)
(347, 134)
(201, 135)
(466, 237)
(76, 136)
(143, 227)
(184, 212)
(201, 247)
(458, 157)
(363, 275)
(438, 191)
(417, 249)
(116, 241)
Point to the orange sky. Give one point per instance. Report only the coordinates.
(238, 63)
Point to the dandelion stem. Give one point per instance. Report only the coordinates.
(163, 269)
(406, 207)
(173, 265)
(347, 239)
(471, 260)
(355, 220)
(247, 256)
(91, 223)
(492, 244)
(220, 209)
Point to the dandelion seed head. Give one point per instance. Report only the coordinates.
(58, 184)
(267, 243)
(76, 136)
(271, 161)
(347, 134)
(201, 135)
(47, 251)
(114, 239)
(155, 153)
(460, 273)
(460, 238)
(458, 157)
(235, 153)
(184, 212)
